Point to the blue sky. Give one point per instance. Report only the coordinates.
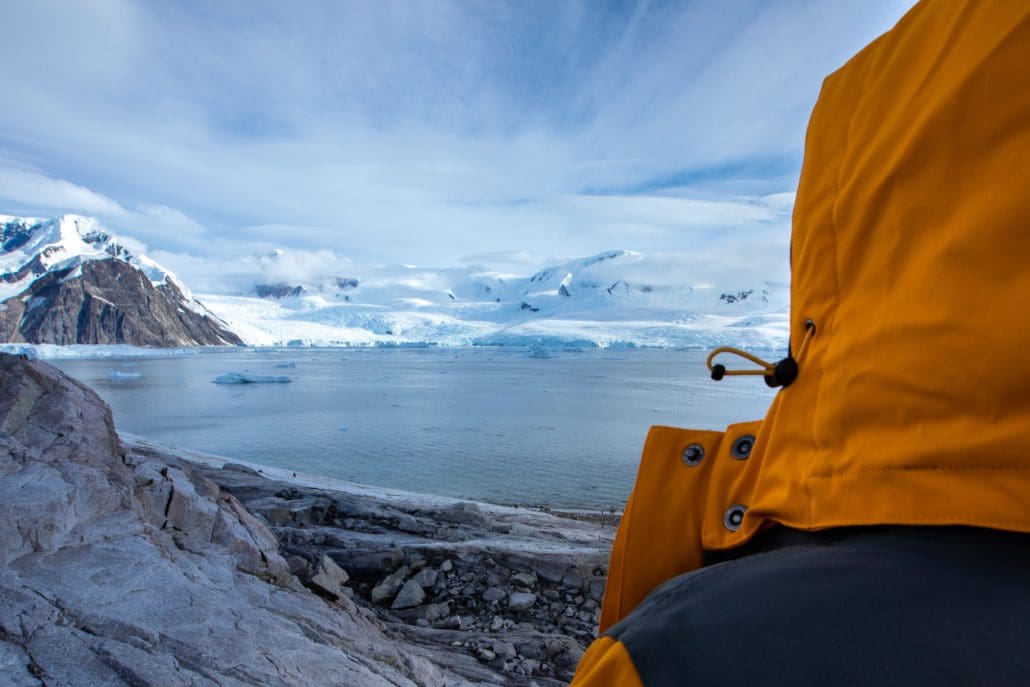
(426, 132)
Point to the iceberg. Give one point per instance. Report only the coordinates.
(116, 374)
(540, 352)
(243, 378)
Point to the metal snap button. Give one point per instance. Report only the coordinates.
(741, 448)
(734, 517)
(693, 454)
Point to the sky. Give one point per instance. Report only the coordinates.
(426, 132)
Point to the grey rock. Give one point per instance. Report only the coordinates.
(446, 566)
(426, 577)
(521, 601)
(551, 569)
(298, 565)
(392, 584)
(464, 513)
(596, 589)
(527, 580)
(306, 510)
(573, 579)
(529, 667)
(57, 467)
(411, 594)
(521, 530)
(503, 649)
(329, 577)
(14, 667)
(190, 517)
(435, 612)
(408, 523)
(255, 549)
(385, 590)
(493, 594)
(366, 563)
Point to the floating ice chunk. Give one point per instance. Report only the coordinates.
(286, 365)
(242, 378)
(541, 352)
(117, 374)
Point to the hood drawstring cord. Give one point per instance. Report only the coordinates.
(782, 373)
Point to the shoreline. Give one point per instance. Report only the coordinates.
(603, 516)
(496, 594)
(124, 561)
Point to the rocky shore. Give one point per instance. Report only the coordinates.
(129, 562)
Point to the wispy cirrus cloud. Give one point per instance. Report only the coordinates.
(418, 132)
(26, 189)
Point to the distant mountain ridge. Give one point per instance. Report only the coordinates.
(69, 281)
(614, 298)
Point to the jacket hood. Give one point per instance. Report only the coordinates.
(910, 246)
(911, 254)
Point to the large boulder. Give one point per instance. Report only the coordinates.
(61, 467)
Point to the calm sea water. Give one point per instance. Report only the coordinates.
(482, 423)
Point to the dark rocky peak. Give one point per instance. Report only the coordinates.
(743, 295)
(346, 283)
(278, 291)
(736, 297)
(17, 234)
(108, 302)
(543, 275)
(619, 287)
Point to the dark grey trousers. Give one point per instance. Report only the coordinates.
(857, 606)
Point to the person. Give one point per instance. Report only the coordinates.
(874, 528)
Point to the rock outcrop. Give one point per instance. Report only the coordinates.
(495, 594)
(117, 567)
(107, 302)
(278, 291)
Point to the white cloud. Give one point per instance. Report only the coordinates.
(23, 188)
(419, 132)
(213, 273)
(170, 220)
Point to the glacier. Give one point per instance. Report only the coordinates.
(614, 299)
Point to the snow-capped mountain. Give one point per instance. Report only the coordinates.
(610, 299)
(60, 281)
(68, 280)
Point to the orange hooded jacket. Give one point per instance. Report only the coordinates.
(911, 238)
